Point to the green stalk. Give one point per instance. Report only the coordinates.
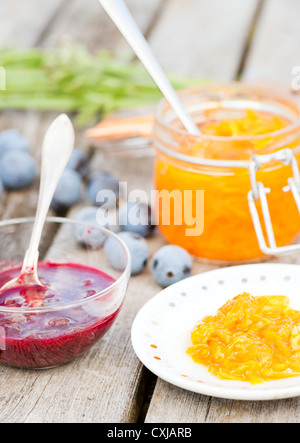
(72, 79)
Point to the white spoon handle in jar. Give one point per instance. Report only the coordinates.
(120, 15)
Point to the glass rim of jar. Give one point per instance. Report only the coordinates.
(61, 220)
(185, 93)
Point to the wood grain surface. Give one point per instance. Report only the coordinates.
(205, 39)
(255, 39)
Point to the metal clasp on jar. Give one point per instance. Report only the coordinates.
(259, 193)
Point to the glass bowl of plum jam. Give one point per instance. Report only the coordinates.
(81, 297)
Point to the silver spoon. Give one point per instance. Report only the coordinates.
(120, 15)
(57, 148)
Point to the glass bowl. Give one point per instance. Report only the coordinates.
(45, 334)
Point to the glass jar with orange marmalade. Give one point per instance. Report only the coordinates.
(247, 153)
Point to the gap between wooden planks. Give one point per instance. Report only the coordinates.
(22, 23)
(204, 39)
(275, 48)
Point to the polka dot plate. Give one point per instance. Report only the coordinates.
(161, 330)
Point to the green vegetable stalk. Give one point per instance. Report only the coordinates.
(70, 79)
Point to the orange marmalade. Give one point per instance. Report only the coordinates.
(236, 122)
(252, 339)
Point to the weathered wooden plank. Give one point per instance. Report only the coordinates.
(187, 407)
(88, 24)
(228, 411)
(23, 22)
(276, 45)
(203, 39)
(107, 384)
(173, 405)
(277, 27)
(179, 406)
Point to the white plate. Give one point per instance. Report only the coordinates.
(161, 330)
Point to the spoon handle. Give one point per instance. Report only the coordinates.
(120, 15)
(57, 148)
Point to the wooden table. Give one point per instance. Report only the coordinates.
(216, 39)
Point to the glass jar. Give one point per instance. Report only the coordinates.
(226, 169)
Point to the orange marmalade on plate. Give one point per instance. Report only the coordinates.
(252, 339)
(236, 122)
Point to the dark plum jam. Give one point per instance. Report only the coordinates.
(50, 327)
